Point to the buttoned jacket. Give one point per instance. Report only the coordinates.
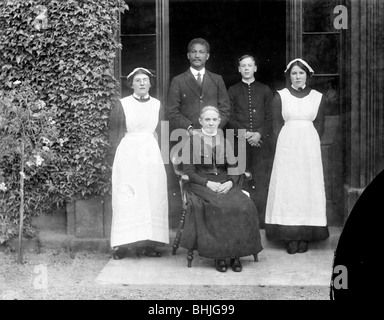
(251, 107)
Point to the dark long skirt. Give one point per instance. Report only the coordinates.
(221, 226)
(292, 233)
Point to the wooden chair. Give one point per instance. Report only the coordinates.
(183, 180)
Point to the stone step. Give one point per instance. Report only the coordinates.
(274, 267)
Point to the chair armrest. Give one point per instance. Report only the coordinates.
(179, 173)
(248, 175)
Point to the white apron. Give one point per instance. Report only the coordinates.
(139, 181)
(296, 192)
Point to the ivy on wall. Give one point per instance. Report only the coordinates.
(65, 50)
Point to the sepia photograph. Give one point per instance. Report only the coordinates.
(190, 153)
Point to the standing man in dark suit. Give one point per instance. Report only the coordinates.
(251, 110)
(196, 88)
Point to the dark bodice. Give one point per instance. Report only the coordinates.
(210, 160)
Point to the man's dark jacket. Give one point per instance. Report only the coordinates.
(185, 99)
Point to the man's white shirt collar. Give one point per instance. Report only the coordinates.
(195, 72)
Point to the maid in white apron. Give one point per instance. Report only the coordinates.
(139, 182)
(296, 205)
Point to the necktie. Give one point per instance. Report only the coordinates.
(199, 82)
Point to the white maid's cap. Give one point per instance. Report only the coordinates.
(303, 62)
(137, 69)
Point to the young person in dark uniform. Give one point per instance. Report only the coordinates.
(251, 110)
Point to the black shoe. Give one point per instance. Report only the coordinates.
(147, 252)
(292, 247)
(302, 246)
(117, 254)
(236, 265)
(221, 265)
(151, 252)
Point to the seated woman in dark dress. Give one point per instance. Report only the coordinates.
(223, 223)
